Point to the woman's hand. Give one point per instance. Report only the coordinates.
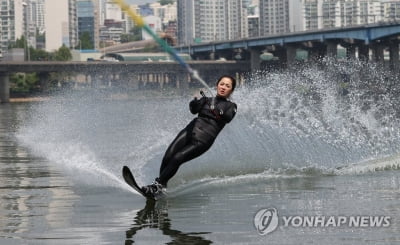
(196, 104)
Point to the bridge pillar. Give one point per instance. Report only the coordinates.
(331, 49)
(255, 59)
(351, 52)
(44, 81)
(182, 81)
(377, 52)
(159, 80)
(134, 81)
(111, 79)
(363, 52)
(89, 80)
(163, 79)
(318, 51)
(97, 80)
(394, 55)
(291, 52)
(4, 88)
(123, 81)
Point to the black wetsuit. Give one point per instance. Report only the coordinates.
(198, 136)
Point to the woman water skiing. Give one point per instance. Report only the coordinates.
(198, 136)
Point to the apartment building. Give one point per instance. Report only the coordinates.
(185, 10)
(319, 14)
(274, 17)
(37, 14)
(211, 20)
(280, 16)
(166, 13)
(237, 19)
(391, 10)
(12, 23)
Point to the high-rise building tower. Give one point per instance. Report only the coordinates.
(72, 18)
(211, 20)
(12, 24)
(37, 14)
(73, 23)
(311, 18)
(280, 16)
(87, 21)
(185, 11)
(110, 11)
(60, 25)
(342, 13)
(391, 10)
(20, 18)
(274, 17)
(29, 21)
(237, 19)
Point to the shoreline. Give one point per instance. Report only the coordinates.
(138, 95)
(29, 99)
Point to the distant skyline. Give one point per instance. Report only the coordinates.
(140, 1)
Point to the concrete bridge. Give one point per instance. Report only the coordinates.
(123, 74)
(363, 42)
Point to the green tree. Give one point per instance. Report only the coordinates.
(125, 38)
(19, 43)
(85, 41)
(39, 54)
(40, 38)
(63, 54)
(24, 82)
(136, 32)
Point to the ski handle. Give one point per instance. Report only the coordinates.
(212, 104)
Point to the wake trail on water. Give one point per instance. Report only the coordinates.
(206, 183)
(330, 118)
(74, 134)
(75, 160)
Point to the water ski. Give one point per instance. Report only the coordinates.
(130, 180)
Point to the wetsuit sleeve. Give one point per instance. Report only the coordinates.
(195, 105)
(229, 112)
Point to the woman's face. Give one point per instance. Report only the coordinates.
(224, 87)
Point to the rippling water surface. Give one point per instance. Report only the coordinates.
(310, 144)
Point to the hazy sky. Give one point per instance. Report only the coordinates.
(141, 1)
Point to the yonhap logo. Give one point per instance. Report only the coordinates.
(266, 220)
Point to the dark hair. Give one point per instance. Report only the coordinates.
(230, 77)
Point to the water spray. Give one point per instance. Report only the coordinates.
(141, 23)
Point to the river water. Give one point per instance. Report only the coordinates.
(318, 147)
